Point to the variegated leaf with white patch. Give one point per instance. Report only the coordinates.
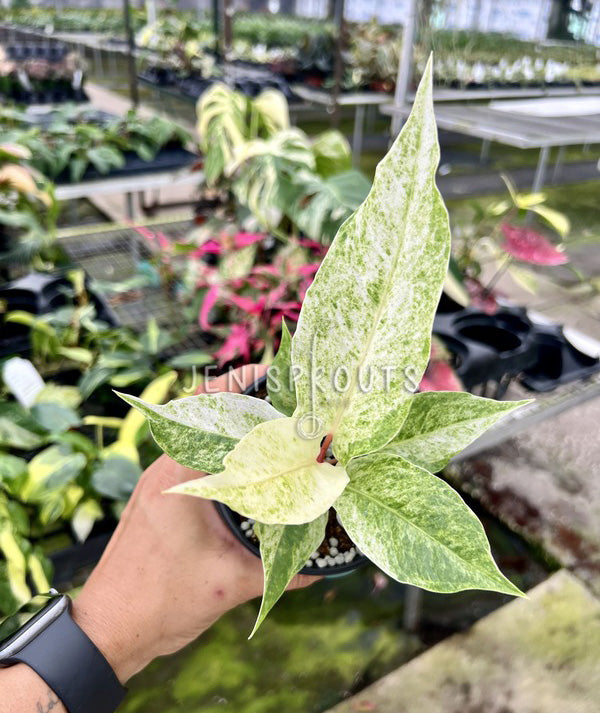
(272, 476)
(416, 528)
(280, 381)
(284, 550)
(440, 424)
(363, 337)
(199, 431)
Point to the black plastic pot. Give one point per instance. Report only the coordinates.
(167, 159)
(233, 520)
(558, 362)
(488, 348)
(40, 293)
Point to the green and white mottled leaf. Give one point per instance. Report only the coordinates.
(440, 424)
(199, 431)
(416, 528)
(52, 468)
(273, 477)
(280, 383)
(369, 313)
(284, 550)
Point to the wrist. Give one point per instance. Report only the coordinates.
(113, 630)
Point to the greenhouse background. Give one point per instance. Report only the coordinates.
(172, 176)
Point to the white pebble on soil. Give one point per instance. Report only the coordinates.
(339, 559)
(315, 555)
(330, 561)
(348, 557)
(309, 563)
(333, 551)
(321, 562)
(249, 533)
(245, 525)
(333, 541)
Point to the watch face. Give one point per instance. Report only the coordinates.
(33, 617)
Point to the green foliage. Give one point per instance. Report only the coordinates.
(73, 19)
(288, 182)
(74, 141)
(280, 384)
(370, 308)
(52, 475)
(28, 210)
(478, 240)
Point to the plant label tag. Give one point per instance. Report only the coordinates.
(23, 380)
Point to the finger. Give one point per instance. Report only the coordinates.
(234, 381)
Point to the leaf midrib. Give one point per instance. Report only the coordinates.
(427, 434)
(280, 474)
(420, 529)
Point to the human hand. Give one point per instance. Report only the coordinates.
(171, 569)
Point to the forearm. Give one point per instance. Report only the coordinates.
(23, 691)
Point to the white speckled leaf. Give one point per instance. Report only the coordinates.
(280, 384)
(273, 477)
(370, 309)
(199, 431)
(284, 550)
(441, 423)
(416, 528)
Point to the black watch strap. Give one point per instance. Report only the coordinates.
(69, 662)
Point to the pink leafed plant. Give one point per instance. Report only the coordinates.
(439, 375)
(528, 245)
(246, 312)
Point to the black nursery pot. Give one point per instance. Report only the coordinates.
(234, 521)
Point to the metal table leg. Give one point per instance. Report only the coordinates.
(129, 209)
(539, 178)
(413, 605)
(485, 151)
(540, 171)
(357, 137)
(558, 164)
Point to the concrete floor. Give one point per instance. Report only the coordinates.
(535, 655)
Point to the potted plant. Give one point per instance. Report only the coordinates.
(345, 429)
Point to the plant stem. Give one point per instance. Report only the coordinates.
(498, 274)
(324, 446)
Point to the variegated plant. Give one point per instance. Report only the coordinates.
(345, 385)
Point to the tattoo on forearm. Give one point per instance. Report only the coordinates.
(51, 702)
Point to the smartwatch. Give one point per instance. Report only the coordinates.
(43, 635)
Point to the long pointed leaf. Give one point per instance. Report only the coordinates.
(284, 550)
(280, 384)
(363, 338)
(417, 528)
(199, 431)
(440, 424)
